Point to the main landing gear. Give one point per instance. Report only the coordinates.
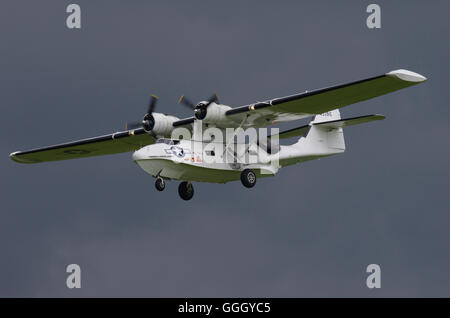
(248, 178)
(185, 189)
(160, 185)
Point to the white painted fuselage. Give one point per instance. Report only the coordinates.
(190, 160)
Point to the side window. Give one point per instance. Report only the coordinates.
(210, 153)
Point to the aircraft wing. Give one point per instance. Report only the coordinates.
(322, 100)
(103, 145)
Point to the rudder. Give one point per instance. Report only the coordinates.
(322, 138)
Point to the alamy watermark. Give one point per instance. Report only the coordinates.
(374, 19)
(74, 278)
(73, 20)
(374, 279)
(235, 146)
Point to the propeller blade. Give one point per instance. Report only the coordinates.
(186, 102)
(213, 99)
(152, 104)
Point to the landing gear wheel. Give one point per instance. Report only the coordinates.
(248, 178)
(186, 190)
(160, 185)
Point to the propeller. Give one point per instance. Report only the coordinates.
(200, 110)
(186, 102)
(148, 122)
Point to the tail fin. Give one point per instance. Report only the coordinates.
(324, 133)
(322, 138)
(328, 116)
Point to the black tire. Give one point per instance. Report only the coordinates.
(248, 178)
(160, 185)
(186, 190)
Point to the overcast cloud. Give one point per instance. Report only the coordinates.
(310, 231)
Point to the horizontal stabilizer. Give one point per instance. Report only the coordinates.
(340, 123)
(302, 131)
(294, 132)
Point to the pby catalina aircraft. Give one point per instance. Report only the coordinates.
(209, 157)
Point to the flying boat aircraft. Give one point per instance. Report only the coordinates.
(202, 149)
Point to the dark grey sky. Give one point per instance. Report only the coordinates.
(310, 231)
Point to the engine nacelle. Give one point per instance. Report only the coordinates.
(163, 124)
(213, 113)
